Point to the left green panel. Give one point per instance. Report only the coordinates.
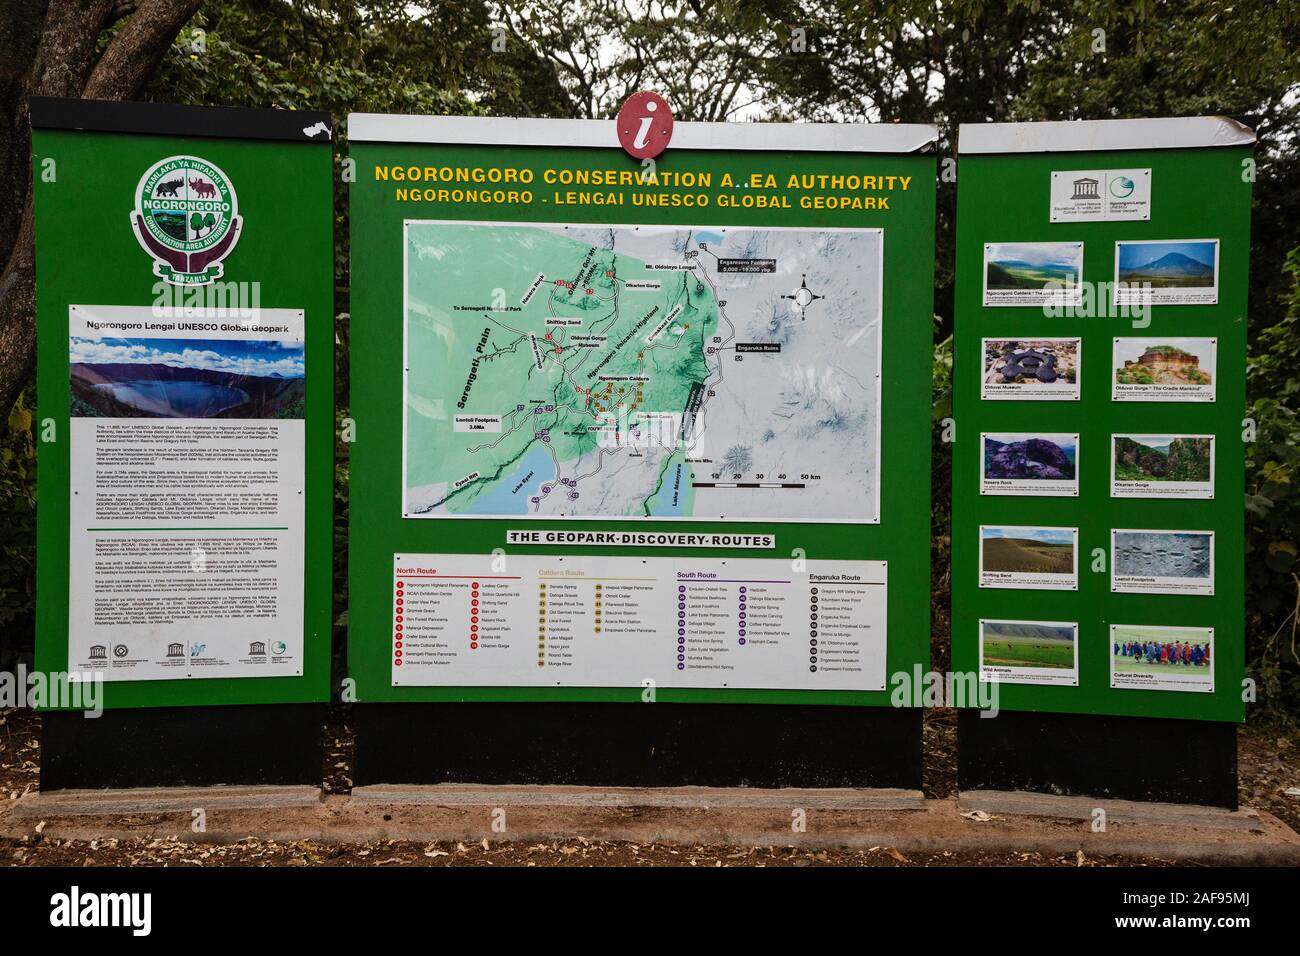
(246, 304)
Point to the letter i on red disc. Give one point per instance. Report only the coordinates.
(645, 125)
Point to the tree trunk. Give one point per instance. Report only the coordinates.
(47, 48)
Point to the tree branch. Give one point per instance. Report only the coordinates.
(138, 48)
(63, 65)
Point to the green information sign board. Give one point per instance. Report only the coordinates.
(185, 369)
(628, 428)
(1099, 392)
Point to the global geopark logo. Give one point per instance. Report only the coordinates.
(1121, 187)
(186, 217)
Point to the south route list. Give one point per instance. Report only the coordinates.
(529, 620)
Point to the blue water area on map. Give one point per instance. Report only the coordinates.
(664, 506)
(712, 238)
(176, 399)
(510, 495)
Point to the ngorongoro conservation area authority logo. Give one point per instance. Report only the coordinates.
(187, 217)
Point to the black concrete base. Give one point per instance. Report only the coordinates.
(1124, 758)
(250, 744)
(638, 745)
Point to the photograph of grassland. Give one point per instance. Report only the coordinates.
(1019, 550)
(1163, 554)
(1032, 265)
(1149, 362)
(1027, 644)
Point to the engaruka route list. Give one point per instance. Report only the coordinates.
(655, 372)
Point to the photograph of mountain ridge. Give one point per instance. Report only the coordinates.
(1162, 458)
(1032, 457)
(1168, 265)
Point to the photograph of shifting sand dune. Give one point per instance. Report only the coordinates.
(1012, 556)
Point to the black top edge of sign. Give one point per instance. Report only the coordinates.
(170, 119)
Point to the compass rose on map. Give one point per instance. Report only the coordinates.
(802, 297)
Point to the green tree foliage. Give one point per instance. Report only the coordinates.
(345, 56)
(1272, 505)
(17, 532)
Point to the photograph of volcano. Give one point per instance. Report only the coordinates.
(185, 378)
(1162, 466)
(1029, 464)
(1167, 272)
(1033, 273)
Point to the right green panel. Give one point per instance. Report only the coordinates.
(1082, 584)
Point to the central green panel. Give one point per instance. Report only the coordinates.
(534, 326)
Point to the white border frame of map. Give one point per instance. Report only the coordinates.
(880, 343)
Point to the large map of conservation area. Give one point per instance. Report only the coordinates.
(652, 372)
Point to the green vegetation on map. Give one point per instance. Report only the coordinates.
(599, 341)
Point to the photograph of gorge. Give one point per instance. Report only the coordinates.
(1172, 458)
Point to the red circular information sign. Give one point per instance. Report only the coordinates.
(645, 125)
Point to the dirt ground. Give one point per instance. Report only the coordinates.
(1269, 765)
